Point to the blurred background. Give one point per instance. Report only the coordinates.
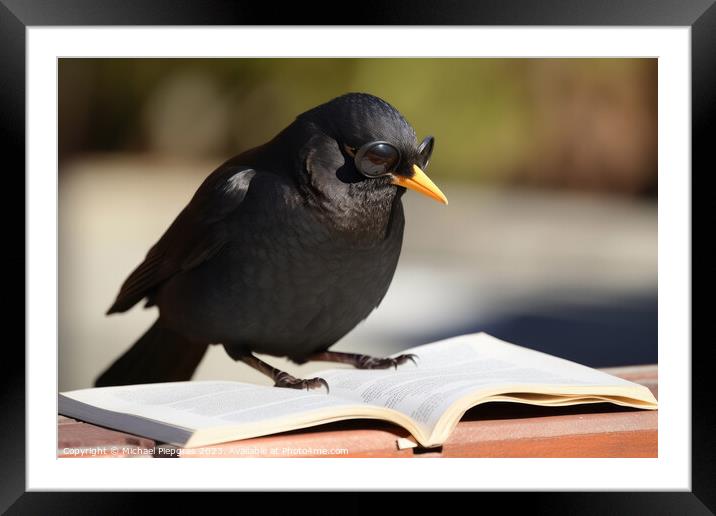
(550, 166)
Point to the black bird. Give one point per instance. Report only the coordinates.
(283, 249)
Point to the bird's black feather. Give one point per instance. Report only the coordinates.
(194, 236)
(283, 249)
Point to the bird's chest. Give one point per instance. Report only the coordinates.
(302, 263)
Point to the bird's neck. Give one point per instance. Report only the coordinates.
(364, 214)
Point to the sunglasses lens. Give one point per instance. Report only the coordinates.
(377, 159)
(425, 151)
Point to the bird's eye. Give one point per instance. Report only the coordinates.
(425, 151)
(377, 158)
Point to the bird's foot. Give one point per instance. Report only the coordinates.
(281, 378)
(286, 380)
(363, 361)
(369, 362)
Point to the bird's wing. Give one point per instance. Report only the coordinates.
(195, 235)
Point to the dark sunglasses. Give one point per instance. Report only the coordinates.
(376, 159)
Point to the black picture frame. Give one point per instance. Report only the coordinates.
(700, 15)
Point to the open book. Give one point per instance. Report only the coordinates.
(427, 399)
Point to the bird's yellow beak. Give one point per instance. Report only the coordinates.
(420, 183)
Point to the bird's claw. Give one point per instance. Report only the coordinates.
(412, 357)
(368, 362)
(291, 382)
(401, 359)
(321, 382)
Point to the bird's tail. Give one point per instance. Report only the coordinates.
(160, 355)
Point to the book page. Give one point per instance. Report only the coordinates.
(449, 370)
(204, 404)
(467, 368)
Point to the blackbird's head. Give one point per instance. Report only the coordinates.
(363, 141)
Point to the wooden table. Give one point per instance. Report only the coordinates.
(490, 430)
